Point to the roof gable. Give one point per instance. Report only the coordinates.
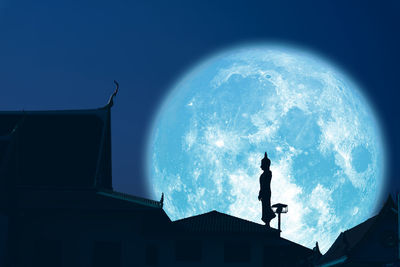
(215, 221)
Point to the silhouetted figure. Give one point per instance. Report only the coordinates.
(265, 191)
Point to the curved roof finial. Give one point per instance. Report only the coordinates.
(111, 100)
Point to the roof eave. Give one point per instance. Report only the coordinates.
(334, 262)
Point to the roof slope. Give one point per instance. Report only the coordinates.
(350, 242)
(59, 148)
(229, 227)
(131, 199)
(217, 222)
(346, 241)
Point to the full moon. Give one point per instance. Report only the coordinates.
(320, 132)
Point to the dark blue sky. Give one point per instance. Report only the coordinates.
(63, 55)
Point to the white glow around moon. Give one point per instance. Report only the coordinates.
(320, 133)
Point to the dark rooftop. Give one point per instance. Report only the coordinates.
(215, 221)
(58, 148)
(132, 199)
(348, 240)
(52, 200)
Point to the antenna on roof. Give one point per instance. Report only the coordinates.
(111, 100)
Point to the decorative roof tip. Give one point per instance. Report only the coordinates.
(389, 203)
(162, 200)
(316, 249)
(111, 100)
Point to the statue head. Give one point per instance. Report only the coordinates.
(265, 162)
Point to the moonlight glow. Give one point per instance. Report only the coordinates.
(320, 133)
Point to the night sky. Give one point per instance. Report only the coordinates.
(65, 55)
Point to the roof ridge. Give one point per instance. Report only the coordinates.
(364, 222)
(220, 213)
(215, 221)
(229, 215)
(195, 216)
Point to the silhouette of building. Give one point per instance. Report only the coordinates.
(371, 243)
(58, 207)
(224, 239)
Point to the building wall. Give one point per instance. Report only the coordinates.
(212, 252)
(76, 238)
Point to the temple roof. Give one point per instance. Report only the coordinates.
(51, 200)
(59, 147)
(349, 241)
(215, 221)
(346, 241)
(56, 160)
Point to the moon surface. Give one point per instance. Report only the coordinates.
(323, 139)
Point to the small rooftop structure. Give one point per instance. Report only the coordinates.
(278, 209)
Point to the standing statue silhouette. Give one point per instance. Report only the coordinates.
(265, 191)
